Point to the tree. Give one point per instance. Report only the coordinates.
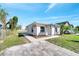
(3, 15)
(13, 23)
(65, 28)
(77, 29)
(61, 29)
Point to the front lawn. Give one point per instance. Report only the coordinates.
(67, 41)
(12, 40)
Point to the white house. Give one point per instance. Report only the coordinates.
(38, 29)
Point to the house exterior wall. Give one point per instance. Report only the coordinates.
(58, 30)
(52, 31)
(48, 30)
(37, 30)
(29, 30)
(41, 33)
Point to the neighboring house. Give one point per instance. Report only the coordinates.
(39, 29)
(65, 23)
(67, 27)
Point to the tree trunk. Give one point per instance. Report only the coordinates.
(3, 34)
(61, 30)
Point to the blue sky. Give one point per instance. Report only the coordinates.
(43, 12)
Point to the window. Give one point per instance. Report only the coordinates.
(42, 29)
(32, 30)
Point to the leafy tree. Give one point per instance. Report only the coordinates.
(65, 28)
(77, 29)
(61, 29)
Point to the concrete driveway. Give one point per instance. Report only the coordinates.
(37, 48)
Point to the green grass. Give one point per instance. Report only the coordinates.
(67, 41)
(11, 40)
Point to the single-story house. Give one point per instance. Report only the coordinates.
(39, 29)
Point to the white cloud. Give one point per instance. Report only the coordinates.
(55, 19)
(50, 6)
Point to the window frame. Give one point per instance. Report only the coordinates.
(42, 29)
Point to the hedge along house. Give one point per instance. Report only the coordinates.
(38, 29)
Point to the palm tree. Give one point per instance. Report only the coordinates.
(3, 15)
(13, 23)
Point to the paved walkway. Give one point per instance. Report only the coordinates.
(37, 48)
(32, 39)
(45, 38)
